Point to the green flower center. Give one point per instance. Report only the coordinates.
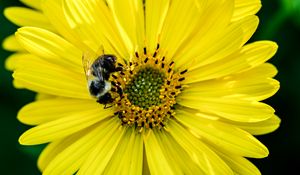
(144, 88)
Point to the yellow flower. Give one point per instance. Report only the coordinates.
(191, 86)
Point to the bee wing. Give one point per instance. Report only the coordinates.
(88, 58)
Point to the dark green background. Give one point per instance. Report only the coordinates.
(278, 23)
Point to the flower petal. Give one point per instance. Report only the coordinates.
(43, 77)
(11, 44)
(54, 148)
(179, 24)
(128, 156)
(94, 28)
(177, 155)
(209, 162)
(129, 17)
(51, 47)
(252, 88)
(239, 164)
(243, 8)
(230, 108)
(63, 127)
(155, 14)
(36, 4)
(48, 110)
(103, 151)
(22, 16)
(259, 52)
(224, 136)
(203, 50)
(55, 13)
(13, 61)
(249, 25)
(228, 65)
(74, 155)
(259, 128)
(212, 36)
(157, 161)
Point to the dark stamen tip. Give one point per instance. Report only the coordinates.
(181, 79)
(155, 53)
(177, 87)
(146, 60)
(182, 72)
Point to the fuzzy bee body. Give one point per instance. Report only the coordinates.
(98, 73)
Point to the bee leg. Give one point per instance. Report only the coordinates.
(120, 91)
(106, 107)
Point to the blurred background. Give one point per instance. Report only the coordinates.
(279, 21)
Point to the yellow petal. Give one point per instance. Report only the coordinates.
(230, 108)
(32, 3)
(93, 23)
(228, 65)
(206, 159)
(157, 161)
(54, 148)
(179, 24)
(252, 88)
(155, 14)
(14, 60)
(224, 136)
(51, 47)
(176, 155)
(213, 32)
(249, 25)
(128, 156)
(27, 17)
(75, 154)
(204, 50)
(265, 70)
(129, 17)
(259, 52)
(54, 12)
(63, 127)
(43, 77)
(243, 8)
(11, 44)
(48, 110)
(239, 164)
(103, 151)
(259, 128)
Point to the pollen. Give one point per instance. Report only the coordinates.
(150, 86)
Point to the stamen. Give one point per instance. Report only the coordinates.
(146, 60)
(183, 72)
(181, 79)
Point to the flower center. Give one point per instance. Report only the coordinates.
(150, 86)
(144, 88)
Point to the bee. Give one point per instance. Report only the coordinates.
(98, 72)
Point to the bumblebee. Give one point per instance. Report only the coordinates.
(97, 73)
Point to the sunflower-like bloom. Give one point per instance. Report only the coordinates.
(184, 96)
